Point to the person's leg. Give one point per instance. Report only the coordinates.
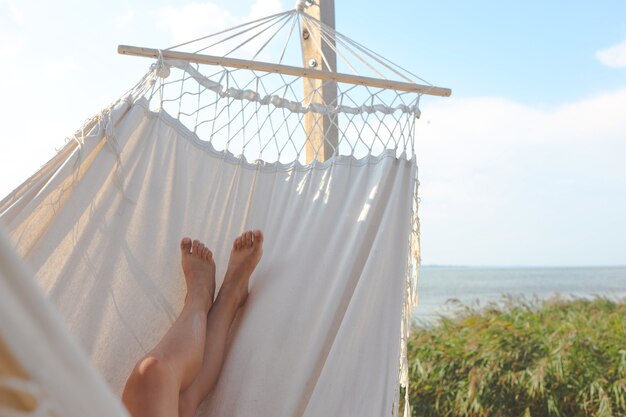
(244, 257)
(153, 387)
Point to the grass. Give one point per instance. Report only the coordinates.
(522, 358)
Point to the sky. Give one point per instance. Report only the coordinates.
(525, 165)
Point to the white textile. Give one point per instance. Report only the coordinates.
(320, 332)
(59, 376)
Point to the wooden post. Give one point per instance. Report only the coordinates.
(284, 69)
(14, 399)
(321, 130)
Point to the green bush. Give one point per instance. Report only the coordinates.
(521, 358)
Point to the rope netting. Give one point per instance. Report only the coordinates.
(274, 117)
(270, 117)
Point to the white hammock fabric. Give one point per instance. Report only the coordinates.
(324, 329)
(320, 334)
(56, 376)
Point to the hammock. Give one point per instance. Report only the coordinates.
(43, 371)
(210, 151)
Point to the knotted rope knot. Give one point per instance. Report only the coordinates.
(110, 137)
(160, 67)
(303, 4)
(78, 137)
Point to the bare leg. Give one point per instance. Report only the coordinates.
(153, 387)
(244, 257)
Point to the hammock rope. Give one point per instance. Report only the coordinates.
(223, 105)
(270, 121)
(260, 116)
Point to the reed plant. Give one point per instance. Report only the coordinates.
(519, 357)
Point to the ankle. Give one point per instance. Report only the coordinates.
(233, 293)
(201, 295)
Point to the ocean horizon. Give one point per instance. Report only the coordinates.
(442, 288)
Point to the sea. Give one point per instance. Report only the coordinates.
(444, 290)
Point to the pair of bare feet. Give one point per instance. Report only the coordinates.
(199, 267)
(180, 371)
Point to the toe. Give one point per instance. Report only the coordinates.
(185, 245)
(248, 239)
(194, 246)
(258, 237)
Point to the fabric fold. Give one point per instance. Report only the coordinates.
(320, 333)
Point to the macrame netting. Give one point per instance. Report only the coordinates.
(245, 121)
(260, 115)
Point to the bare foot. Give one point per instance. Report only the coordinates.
(199, 268)
(244, 257)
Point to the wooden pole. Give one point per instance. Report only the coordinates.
(284, 69)
(14, 399)
(319, 54)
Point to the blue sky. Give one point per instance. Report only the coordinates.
(523, 165)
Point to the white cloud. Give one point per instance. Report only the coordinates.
(59, 68)
(485, 125)
(11, 45)
(262, 8)
(125, 18)
(614, 56)
(501, 180)
(16, 14)
(195, 20)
